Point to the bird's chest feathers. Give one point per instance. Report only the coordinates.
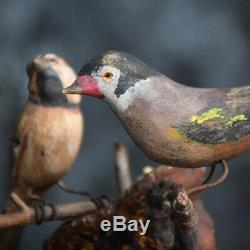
(48, 132)
(49, 142)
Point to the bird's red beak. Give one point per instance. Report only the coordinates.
(84, 85)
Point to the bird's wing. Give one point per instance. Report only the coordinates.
(223, 120)
(18, 146)
(14, 147)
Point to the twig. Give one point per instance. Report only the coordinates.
(186, 220)
(122, 168)
(59, 212)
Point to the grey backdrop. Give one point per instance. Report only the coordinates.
(201, 43)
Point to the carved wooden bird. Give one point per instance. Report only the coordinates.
(171, 123)
(44, 145)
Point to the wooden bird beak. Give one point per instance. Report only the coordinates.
(84, 85)
(75, 88)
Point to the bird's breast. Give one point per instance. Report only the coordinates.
(51, 138)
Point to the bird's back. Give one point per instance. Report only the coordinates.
(223, 120)
(192, 127)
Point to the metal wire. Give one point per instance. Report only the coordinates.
(207, 185)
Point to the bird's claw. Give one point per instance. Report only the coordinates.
(101, 201)
(208, 182)
(40, 212)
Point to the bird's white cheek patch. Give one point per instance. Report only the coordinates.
(108, 91)
(142, 89)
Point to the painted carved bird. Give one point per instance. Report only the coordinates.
(171, 123)
(44, 143)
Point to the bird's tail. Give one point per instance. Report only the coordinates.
(10, 237)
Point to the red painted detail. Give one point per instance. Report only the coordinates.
(89, 86)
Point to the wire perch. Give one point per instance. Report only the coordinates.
(98, 201)
(206, 184)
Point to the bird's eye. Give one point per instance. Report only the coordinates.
(107, 76)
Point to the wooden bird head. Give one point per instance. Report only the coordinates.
(113, 76)
(48, 75)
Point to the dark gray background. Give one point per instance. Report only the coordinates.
(201, 43)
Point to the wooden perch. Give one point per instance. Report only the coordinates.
(28, 215)
(59, 212)
(178, 220)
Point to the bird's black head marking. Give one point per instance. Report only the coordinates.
(50, 88)
(132, 69)
(45, 87)
(124, 83)
(48, 75)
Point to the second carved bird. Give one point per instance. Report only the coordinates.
(47, 137)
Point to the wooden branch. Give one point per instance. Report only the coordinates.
(186, 219)
(28, 215)
(122, 168)
(59, 212)
(157, 195)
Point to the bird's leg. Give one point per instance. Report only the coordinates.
(207, 183)
(18, 201)
(38, 206)
(100, 202)
(38, 203)
(210, 175)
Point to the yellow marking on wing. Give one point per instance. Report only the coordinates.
(213, 113)
(176, 135)
(173, 133)
(231, 120)
(217, 113)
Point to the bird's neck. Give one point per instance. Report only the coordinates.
(151, 90)
(57, 102)
(161, 96)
